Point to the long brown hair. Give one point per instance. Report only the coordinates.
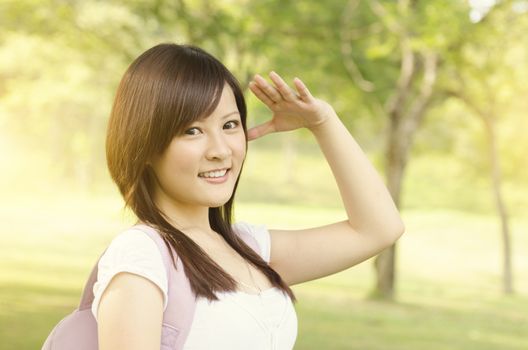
(164, 90)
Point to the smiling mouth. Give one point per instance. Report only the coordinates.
(214, 174)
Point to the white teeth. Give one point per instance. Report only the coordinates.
(218, 173)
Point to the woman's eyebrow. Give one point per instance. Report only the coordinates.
(229, 114)
(202, 120)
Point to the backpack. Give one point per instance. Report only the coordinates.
(78, 330)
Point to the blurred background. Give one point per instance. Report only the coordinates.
(434, 92)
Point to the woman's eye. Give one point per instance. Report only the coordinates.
(192, 131)
(229, 125)
(233, 124)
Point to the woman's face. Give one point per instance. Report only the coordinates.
(200, 167)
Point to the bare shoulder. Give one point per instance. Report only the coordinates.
(130, 313)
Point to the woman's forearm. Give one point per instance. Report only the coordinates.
(367, 201)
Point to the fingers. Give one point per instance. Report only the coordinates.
(271, 92)
(285, 91)
(304, 93)
(274, 94)
(260, 94)
(260, 130)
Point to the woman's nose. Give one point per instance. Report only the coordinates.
(218, 147)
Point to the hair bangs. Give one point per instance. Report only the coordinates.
(193, 90)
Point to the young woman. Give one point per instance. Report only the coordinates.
(176, 143)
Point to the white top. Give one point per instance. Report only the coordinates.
(254, 322)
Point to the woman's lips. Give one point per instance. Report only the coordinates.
(216, 180)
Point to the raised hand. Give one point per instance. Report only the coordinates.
(291, 109)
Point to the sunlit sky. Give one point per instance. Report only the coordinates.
(479, 8)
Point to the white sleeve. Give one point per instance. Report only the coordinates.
(261, 234)
(135, 252)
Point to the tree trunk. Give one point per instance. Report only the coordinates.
(406, 112)
(405, 107)
(487, 117)
(384, 263)
(507, 279)
(386, 276)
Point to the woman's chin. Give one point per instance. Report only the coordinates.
(218, 202)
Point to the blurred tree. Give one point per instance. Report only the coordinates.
(395, 53)
(392, 52)
(485, 77)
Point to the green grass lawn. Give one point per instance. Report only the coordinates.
(448, 281)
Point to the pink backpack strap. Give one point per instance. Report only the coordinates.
(181, 304)
(88, 295)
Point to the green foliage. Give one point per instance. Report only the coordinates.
(60, 63)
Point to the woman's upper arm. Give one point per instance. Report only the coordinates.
(303, 255)
(130, 314)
